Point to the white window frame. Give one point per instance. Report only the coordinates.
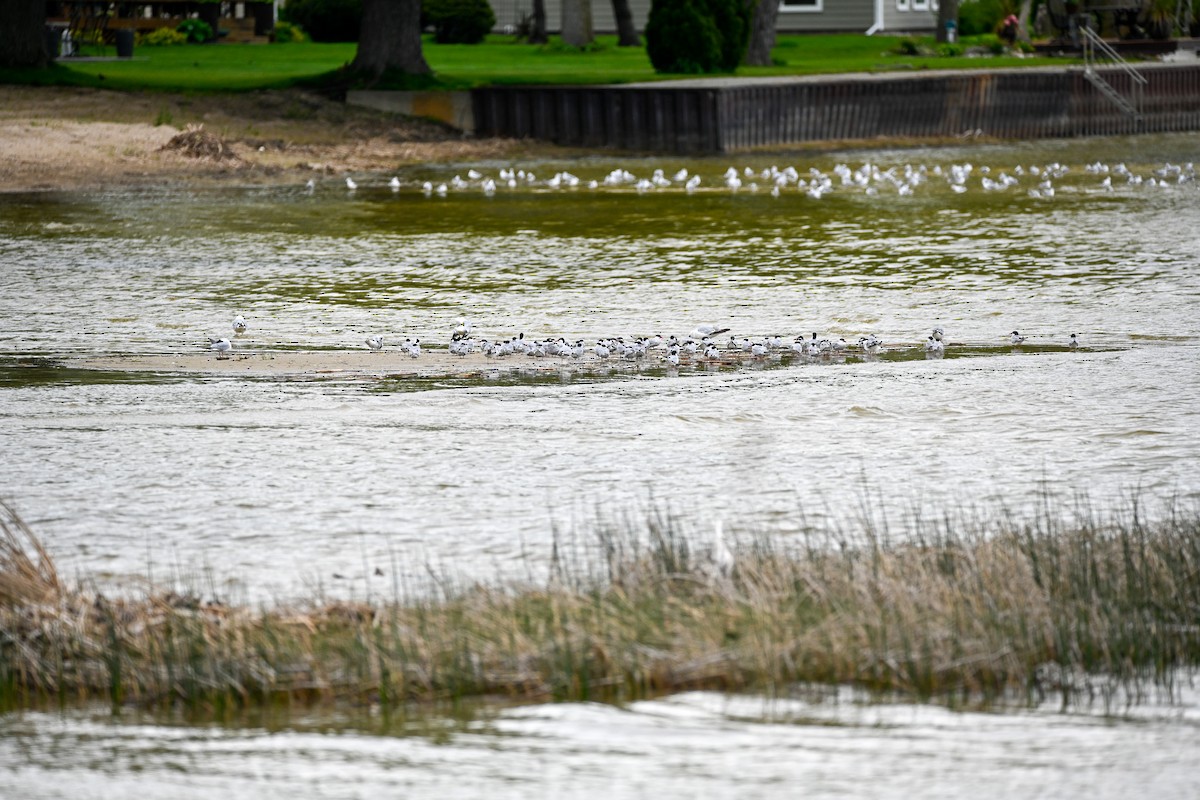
(902, 5)
(920, 5)
(809, 7)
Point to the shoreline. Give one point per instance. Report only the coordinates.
(67, 139)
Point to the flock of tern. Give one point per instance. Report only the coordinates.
(703, 343)
(1037, 181)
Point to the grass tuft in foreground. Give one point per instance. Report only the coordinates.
(962, 612)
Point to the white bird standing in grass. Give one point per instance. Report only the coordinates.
(375, 343)
(722, 556)
(222, 346)
(239, 325)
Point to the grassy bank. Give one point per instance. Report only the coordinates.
(498, 61)
(965, 612)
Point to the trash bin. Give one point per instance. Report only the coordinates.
(53, 42)
(951, 31)
(124, 43)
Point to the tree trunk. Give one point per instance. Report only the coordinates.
(627, 35)
(577, 23)
(762, 32)
(947, 12)
(23, 34)
(1023, 15)
(390, 38)
(538, 34)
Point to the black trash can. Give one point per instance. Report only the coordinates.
(53, 42)
(124, 43)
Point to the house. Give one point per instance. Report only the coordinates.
(795, 16)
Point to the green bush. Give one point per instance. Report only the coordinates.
(326, 20)
(195, 30)
(732, 18)
(950, 49)
(981, 16)
(288, 32)
(458, 21)
(161, 37)
(692, 37)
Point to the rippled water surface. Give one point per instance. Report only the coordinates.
(274, 487)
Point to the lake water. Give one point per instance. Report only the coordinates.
(279, 488)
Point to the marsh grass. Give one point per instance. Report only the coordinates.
(966, 612)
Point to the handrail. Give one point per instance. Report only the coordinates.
(1090, 37)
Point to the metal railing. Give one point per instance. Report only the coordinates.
(1092, 43)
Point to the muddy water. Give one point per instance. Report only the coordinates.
(264, 488)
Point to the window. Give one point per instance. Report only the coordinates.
(902, 5)
(920, 5)
(792, 6)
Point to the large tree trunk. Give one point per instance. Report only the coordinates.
(538, 34)
(390, 38)
(762, 32)
(23, 33)
(627, 35)
(947, 12)
(577, 23)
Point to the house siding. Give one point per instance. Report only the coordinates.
(835, 15)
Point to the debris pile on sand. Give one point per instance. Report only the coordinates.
(195, 142)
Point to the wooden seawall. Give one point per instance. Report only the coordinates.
(716, 116)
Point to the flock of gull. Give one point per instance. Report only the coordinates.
(1037, 181)
(705, 343)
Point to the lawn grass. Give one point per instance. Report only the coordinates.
(500, 60)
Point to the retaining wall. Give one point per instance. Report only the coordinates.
(714, 116)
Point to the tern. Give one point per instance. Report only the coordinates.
(239, 325)
(462, 331)
(1074, 342)
(933, 345)
(222, 346)
(938, 334)
(1016, 338)
(375, 343)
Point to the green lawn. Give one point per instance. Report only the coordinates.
(500, 60)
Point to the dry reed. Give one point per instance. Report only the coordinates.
(1006, 609)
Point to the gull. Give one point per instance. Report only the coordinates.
(705, 331)
(1016, 338)
(1074, 342)
(350, 184)
(473, 175)
(462, 331)
(375, 343)
(427, 187)
(222, 346)
(394, 183)
(239, 325)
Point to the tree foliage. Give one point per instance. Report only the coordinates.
(691, 36)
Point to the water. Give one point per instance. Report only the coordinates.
(689, 745)
(278, 488)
